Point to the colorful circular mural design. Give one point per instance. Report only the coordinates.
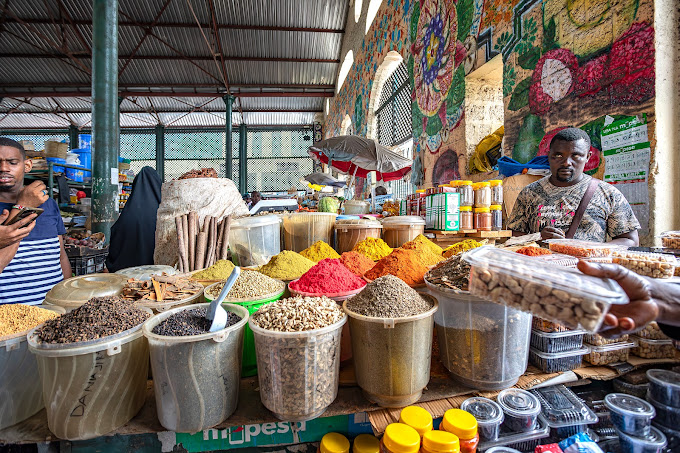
(434, 54)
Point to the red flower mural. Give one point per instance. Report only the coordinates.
(553, 79)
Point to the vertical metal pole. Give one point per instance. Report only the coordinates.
(243, 158)
(105, 120)
(160, 151)
(73, 137)
(229, 101)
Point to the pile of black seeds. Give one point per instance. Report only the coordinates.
(388, 297)
(99, 317)
(190, 322)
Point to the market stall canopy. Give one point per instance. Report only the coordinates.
(323, 179)
(357, 156)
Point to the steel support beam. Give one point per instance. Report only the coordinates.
(160, 150)
(161, 94)
(127, 58)
(243, 158)
(105, 120)
(229, 103)
(73, 137)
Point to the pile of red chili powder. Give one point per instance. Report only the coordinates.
(329, 276)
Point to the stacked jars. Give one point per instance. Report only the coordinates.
(496, 191)
(482, 214)
(496, 217)
(466, 218)
(467, 195)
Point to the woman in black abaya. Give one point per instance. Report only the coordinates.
(133, 236)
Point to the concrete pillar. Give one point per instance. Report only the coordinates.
(105, 120)
(229, 102)
(243, 158)
(160, 151)
(665, 168)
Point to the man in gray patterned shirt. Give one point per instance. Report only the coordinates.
(549, 204)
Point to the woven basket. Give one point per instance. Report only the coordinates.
(56, 149)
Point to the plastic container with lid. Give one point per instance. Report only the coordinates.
(496, 217)
(630, 414)
(482, 194)
(581, 249)
(656, 265)
(544, 325)
(440, 442)
(466, 218)
(400, 438)
(569, 340)
(405, 348)
(74, 292)
(145, 272)
(594, 339)
(652, 332)
(653, 349)
(298, 372)
(670, 239)
(496, 191)
(467, 194)
(248, 361)
(666, 416)
(482, 344)
(196, 378)
(92, 387)
(356, 207)
(20, 384)
(557, 362)
(489, 416)
(521, 409)
(401, 229)
(350, 232)
(254, 240)
(502, 450)
(302, 229)
(639, 390)
(654, 442)
(333, 443)
(417, 418)
(366, 443)
(515, 280)
(521, 441)
(464, 426)
(672, 436)
(664, 387)
(611, 353)
(483, 219)
(563, 411)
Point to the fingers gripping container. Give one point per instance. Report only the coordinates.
(521, 409)
(556, 293)
(489, 416)
(664, 387)
(563, 411)
(570, 340)
(93, 387)
(196, 378)
(559, 361)
(630, 414)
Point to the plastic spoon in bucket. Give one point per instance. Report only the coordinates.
(216, 313)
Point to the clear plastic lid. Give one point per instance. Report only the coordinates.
(655, 438)
(145, 272)
(78, 290)
(403, 220)
(541, 431)
(518, 402)
(566, 333)
(356, 203)
(670, 234)
(629, 405)
(577, 247)
(484, 410)
(666, 378)
(651, 342)
(557, 277)
(561, 355)
(558, 259)
(502, 450)
(352, 224)
(561, 407)
(255, 221)
(644, 256)
(613, 346)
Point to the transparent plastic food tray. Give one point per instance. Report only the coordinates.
(519, 440)
(657, 265)
(559, 259)
(653, 349)
(581, 249)
(562, 409)
(557, 362)
(556, 293)
(569, 340)
(611, 353)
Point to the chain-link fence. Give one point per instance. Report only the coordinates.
(138, 145)
(38, 137)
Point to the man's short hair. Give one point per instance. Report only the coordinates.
(381, 190)
(6, 141)
(571, 134)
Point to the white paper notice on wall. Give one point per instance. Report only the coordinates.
(114, 176)
(627, 153)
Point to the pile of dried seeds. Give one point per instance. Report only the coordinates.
(388, 297)
(298, 314)
(249, 285)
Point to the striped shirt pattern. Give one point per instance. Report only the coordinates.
(33, 271)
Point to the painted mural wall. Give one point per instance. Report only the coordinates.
(565, 63)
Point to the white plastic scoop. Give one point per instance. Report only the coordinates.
(216, 313)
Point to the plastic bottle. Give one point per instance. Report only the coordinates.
(365, 443)
(440, 442)
(496, 217)
(400, 438)
(496, 191)
(333, 443)
(467, 195)
(482, 194)
(466, 218)
(464, 425)
(483, 220)
(417, 418)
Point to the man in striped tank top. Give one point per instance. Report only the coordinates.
(30, 267)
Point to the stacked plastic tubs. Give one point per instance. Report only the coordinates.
(664, 396)
(632, 420)
(653, 344)
(604, 351)
(555, 348)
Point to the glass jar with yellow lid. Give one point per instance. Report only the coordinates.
(400, 438)
(496, 191)
(467, 195)
(464, 426)
(483, 220)
(482, 194)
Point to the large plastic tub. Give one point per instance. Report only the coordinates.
(401, 229)
(350, 232)
(298, 371)
(254, 240)
(249, 361)
(302, 229)
(20, 388)
(145, 272)
(196, 378)
(93, 387)
(392, 355)
(483, 345)
(74, 292)
(356, 207)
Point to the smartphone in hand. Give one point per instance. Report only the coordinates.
(23, 213)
